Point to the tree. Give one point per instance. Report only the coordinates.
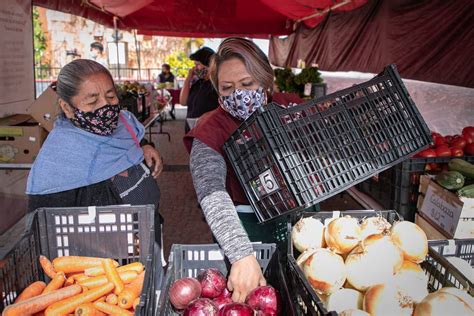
(179, 63)
(39, 40)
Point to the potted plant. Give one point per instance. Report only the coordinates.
(310, 79)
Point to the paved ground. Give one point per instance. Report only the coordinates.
(184, 222)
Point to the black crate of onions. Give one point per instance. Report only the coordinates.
(357, 263)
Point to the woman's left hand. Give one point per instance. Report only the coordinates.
(153, 157)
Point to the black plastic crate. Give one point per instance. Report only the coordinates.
(288, 159)
(189, 260)
(305, 299)
(397, 187)
(123, 233)
(443, 273)
(440, 272)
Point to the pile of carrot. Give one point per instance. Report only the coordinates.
(82, 286)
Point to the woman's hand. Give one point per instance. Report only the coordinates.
(245, 275)
(153, 157)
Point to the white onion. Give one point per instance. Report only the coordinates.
(353, 312)
(412, 280)
(325, 271)
(304, 256)
(374, 261)
(307, 233)
(446, 301)
(344, 299)
(411, 239)
(374, 225)
(463, 266)
(387, 299)
(342, 234)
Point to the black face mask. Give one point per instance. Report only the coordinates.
(102, 121)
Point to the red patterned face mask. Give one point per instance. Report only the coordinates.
(102, 121)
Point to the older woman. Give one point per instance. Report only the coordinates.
(94, 154)
(243, 77)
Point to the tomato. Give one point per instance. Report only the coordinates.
(448, 139)
(469, 139)
(468, 131)
(437, 139)
(457, 152)
(459, 142)
(427, 153)
(469, 149)
(443, 151)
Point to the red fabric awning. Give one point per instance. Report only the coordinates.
(203, 18)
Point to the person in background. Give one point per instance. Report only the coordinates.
(243, 77)
(166, 75)
(197, 93)
(96, 154)
(96, 53)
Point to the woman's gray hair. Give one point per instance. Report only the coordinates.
(73, 74)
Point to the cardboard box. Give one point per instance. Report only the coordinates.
(451, 215)
(21, 138)
(45, 109)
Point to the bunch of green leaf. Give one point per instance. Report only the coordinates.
(308, 75)
(179, 63)
(285, 80)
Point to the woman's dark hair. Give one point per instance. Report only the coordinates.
(167, 66)
(73, 74)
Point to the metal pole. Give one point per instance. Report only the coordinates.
(116, 47)
(137, 50)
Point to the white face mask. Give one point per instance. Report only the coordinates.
(242, 103)
(94, 54)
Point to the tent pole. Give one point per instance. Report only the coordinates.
(337, 5)
(137, 49)
(116, 47)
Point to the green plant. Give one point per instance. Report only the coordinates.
(285, 80)
(309, 75)
(39, 39)
(179, 63)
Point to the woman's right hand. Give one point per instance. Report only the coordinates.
(245, 275)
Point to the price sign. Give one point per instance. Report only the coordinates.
(442, 208)
(268, 181)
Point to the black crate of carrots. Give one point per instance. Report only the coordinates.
(122, 233)
(288, 159)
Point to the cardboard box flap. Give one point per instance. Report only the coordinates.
(14, 120)
(45, 109)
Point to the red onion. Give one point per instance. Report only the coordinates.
(263, 298)
(183, 291)
(225, 293)
(236, 309)
(201, 307)
(221, 301)
(213, 282)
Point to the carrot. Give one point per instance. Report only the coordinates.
(72, 264)
(47, 267)
(87, 309)
(101, 299)
(111, 309)
(79, 277)
(131, 292)
(56, 283)
(84, 289)
(111, 299)
(96, 271)
(69, 305)
(69, 281)
(34, 289)
(135, 303)
(40, 302)
(113, 276)
(126, 276)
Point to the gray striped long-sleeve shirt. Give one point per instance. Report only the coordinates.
(209, 171)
